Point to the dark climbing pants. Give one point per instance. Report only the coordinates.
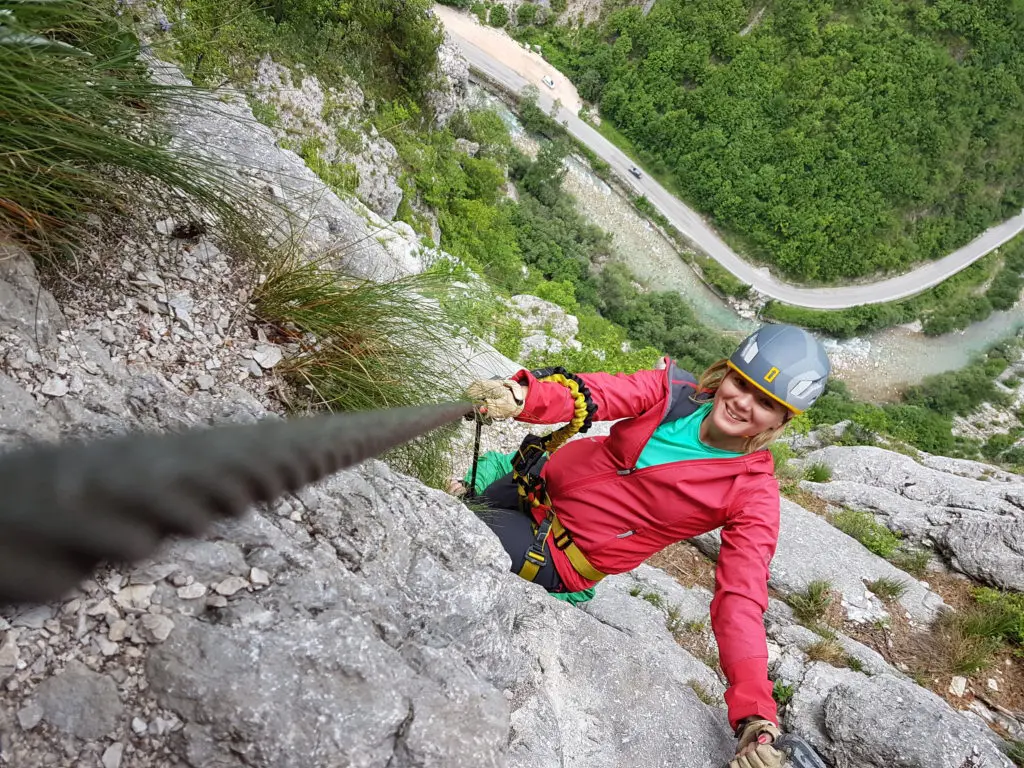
(514, 528)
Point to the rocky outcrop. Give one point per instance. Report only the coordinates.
(810, 549)
(294, 204)
(307, 111)
(978, 524)
(547, 328)
(366, 619)
(858, 722)
(452, 82)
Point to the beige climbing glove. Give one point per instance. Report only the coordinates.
(755, 748)
(498, 398)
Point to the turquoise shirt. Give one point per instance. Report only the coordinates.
(679, 440)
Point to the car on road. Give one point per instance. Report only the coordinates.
(635, 171)
(548, 82)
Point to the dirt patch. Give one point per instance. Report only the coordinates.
(808, 501)
(918, 652)
(687, 564)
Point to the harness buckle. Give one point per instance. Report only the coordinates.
(562, 540)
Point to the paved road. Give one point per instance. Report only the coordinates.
(690, 223)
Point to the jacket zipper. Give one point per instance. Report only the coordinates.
(664, 412)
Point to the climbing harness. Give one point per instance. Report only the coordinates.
(533, 494)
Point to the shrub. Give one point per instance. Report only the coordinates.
(525, 14)
(782, 694)
(342, 178)
(393, 50)
(863, 527)
(498, 16)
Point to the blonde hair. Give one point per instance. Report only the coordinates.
(707, 386)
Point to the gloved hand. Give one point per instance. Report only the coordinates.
(501, 398)
(755, 748)
(457, 488)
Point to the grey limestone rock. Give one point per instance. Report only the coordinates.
(811, 549)
(868, 724)
(33, 314)
(978, 524)
(80, 702)
(452, 82)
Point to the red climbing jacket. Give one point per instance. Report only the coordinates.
(619, 516)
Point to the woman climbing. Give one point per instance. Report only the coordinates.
(687, 457)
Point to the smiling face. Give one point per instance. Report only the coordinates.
(740, 410)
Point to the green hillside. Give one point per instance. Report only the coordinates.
(834, 139)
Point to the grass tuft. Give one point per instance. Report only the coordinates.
(362, 345)
(655, 599)
(1015, 751)
(828, 651)
(810, 606)
(1009, 605)
(888, 589)
(964, 642)
(819, 473)
(674, 620)
(703, 693)
(912, 560)
(854, 663)
(864, 528)
(81, 129)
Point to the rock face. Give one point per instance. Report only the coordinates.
(978, 524)
(368, 619)
(298, 205)
(368, 646)
(860, 723)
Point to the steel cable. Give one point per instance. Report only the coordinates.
(66, 508)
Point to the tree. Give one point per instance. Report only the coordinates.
(838, 144)
(498, 16)
(525, 14)
(590, 85)
(543, 179)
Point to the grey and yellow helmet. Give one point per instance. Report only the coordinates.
(786, 363)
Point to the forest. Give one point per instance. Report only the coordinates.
(832, 140)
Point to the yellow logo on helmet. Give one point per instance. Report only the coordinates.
(770, 376)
